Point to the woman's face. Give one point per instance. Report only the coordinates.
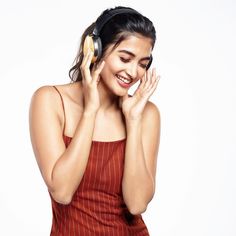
(126, 62)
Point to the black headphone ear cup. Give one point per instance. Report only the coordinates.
(97, 49)
(149, 63)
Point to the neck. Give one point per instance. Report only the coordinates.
(108, 100)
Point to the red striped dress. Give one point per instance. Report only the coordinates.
(97, 207)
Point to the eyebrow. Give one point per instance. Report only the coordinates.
(133, 55)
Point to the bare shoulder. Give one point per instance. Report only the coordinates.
(48, 96)
(43, 93)
(45, 125)
(44, 99)
(46, 92)
(151, 112)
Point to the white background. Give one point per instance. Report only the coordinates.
(195, 55)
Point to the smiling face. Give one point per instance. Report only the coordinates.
(126, 64)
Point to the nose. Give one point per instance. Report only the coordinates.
(132, 70)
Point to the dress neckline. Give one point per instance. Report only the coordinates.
(98, 141)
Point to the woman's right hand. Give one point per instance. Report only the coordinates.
(90, 81)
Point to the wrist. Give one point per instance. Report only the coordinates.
(133, 121)
(130, 118)
(89, 113)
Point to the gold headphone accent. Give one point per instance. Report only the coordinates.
(89, 44)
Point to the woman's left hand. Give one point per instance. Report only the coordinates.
(132, 107)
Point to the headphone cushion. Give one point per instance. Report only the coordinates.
(88, 44)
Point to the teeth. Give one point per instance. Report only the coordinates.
(124, 80)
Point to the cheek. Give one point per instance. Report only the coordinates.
(111, 67)
(140, 75)
(107, 72)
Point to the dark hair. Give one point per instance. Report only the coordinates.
(117, 29)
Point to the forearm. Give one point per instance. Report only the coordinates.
(137, 183)
(70, 167)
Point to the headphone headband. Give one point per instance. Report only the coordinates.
(93, 41)
(101, 21)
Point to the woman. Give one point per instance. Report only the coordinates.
(96, 146)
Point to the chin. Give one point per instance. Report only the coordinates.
(114, 87)
(119, 91)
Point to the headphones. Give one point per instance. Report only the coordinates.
(93, 41)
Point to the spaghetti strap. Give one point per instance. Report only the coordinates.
(63, 106)
(89, 212)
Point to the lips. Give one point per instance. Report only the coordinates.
(123, 82)
(124, 79)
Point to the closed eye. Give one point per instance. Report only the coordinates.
(128, 60)
(124, 59)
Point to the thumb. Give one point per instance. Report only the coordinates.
(97, 71)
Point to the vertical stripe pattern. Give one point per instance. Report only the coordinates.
(97, 207)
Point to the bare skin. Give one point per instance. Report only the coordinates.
(93, 105)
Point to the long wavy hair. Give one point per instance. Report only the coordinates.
(117, 29)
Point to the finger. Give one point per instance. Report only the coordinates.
(151, 91)
(153, 76)
(155, 79)
(154, 73)
(154, 86)
(85, 58)
(82, 66)
(86, 67)
(97, 71)
(97, 66)
(141, 86)
(147, 80)
(88, 60)
(142, 81)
